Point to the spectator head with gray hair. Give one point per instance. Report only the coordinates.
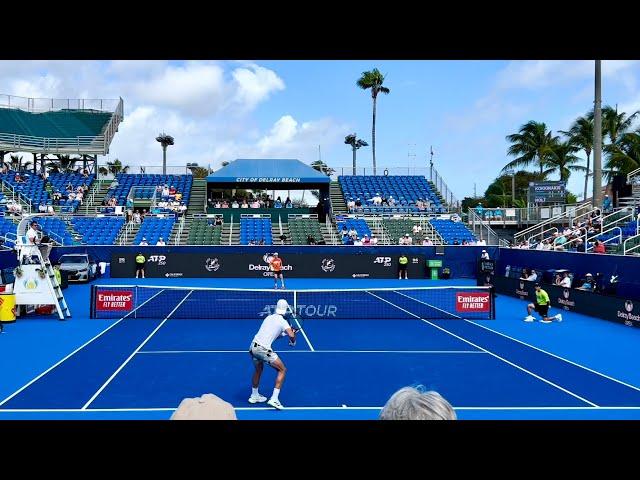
(413, 403)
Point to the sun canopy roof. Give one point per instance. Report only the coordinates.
(268, 171)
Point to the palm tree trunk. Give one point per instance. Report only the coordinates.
(354, 159)
(586, 177)
(373, 135)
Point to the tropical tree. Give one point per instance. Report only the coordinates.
(116, 167)
(560, 156)
(225, 163)
(624, 156)
(373, 80)
(580, 134)
(199, 172)
(529, 146)
(320, 166)
(498, 193)
(15, 162)
(614, 124)
(103, 171)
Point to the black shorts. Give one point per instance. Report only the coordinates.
(139, 266)
(402, 267)
(541, 309)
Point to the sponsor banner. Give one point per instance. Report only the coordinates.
(251, 265)
(608, 307)
(114, 300)
(473, 302)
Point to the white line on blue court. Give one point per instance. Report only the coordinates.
(484, 349)
(76, 350)
(556, 356)
(171, 409)
(84, 407)
(283, 352)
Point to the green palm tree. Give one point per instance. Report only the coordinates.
(15, 162)
(624, 156)
(581, 135)
(529, 145)
(560, 156)
(103, 171)
(373, 80)
(614, 124)
(116, 167)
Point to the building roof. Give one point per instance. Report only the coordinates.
(268, 170)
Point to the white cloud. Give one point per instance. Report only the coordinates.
(254, 84)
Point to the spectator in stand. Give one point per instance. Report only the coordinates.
(427, 242)
(377, 200)
(255, 203)
(353, 233)
(144, 242)
(407, 239)
(217, 204)
(235, 204)
(524, 274)
(385, 202)
(288, 203)
(50, 209)
(401, 241)
(351, 205)
(533, 277)
(588, 284)
(42, 208)
(392, 201)
(160, 242)
(358, 204)
(357, 242)
(278, 203)
(311, 240)
(599, 247)
(480, 210)
(456, 218)
(172, 191)
(224, 204)
(137, 218)
(218, 222)
(344, 232)
(349, 241)
(374, 240)
(366, 240)
(565, 281)
(456, 242)
(283, 239)
(178, 197)
(244, 204)
(484, 255)
(606, 204)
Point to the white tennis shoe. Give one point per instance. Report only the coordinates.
(559, 317)
(529, 318)
(275, 404)
(257, 398)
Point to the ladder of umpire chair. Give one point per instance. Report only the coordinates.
(61, 303)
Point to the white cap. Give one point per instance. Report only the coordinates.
(275, 253)
(484, 251)
(589, 275)
(282, 306)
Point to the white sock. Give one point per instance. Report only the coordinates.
(254, 392)
(557, 316)
(276, 392)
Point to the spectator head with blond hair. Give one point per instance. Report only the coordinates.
(414, 403)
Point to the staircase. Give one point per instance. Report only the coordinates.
(275, 233)
(8, 193)
(95, 195)
(198, 199)
(326, 235)
(235, 236)
(184, 235)
(437, 192)
(127, 234)
(337, 200)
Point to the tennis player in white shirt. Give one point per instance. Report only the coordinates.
(273, 327)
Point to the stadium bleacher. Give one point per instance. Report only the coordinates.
(358, 224)
(126, 181)
(153, 228)
(256, 229)
(203, 232)
(57, 230)
(451, 231)
(405, 189)
(301, 228)
(97, 230)
(7, 226)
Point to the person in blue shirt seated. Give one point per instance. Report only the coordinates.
(287, 203)
(588, 283)
(278, 203)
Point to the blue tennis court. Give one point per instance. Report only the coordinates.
(343, 368)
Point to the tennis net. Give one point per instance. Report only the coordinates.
(429, 303)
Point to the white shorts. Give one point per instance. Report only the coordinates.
(260, 354)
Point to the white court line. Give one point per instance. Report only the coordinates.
(315, 351)
(171, 409)
(76, 350)
(534, 347)
(84, 407)
(304, 334)
(556, 356)
(485, 350)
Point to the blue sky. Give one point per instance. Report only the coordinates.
(220, 111)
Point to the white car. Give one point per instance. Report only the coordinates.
(80, 267)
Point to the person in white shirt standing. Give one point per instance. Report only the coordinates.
(273, 327)
(32, 233)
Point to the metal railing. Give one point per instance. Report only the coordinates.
(331, 230)
(534, 238)
(634, 239)
(180, 229)
(40, 105)
(483, 231)
(632, 176)
(230, 229)
(443, 188)
(625, 217)
(568, 214)
(595, 237)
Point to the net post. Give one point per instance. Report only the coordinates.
(92, 305)
(295, 302)
(135, 304)
(492, 295)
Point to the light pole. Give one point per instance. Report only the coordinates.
(513, 185)
(597, 139)
(355, 143)
(165, 140)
